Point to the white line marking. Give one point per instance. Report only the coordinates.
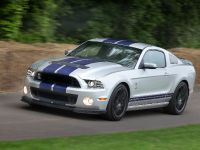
(52, 87)
(118, 41)
(59, 68)
(78, 60)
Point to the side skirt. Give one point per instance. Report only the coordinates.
(149, 102)
(147, 106)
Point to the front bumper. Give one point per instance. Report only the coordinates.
(97, 107)
(69, 108)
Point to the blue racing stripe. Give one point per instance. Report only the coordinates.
(119, 42)
(46, 86)
(125, 42)
(51, 68)
(58, 88)
(54, 66)
(70, 59)
(66, 70)
(69, 69)
(111, 40)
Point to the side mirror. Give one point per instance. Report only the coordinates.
(149, 66)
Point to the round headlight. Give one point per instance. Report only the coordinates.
(94, 84)
(91, 83)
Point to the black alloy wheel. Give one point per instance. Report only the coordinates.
(179, 99)
(118, 103)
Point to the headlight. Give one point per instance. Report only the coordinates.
(31, 72)
(94, 84)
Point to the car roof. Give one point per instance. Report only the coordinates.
(124, 42)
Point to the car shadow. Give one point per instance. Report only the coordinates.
(146, 112)
(89, 117)
(62, 113)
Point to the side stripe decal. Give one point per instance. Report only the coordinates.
(151, 97)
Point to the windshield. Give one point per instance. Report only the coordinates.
(126, 56)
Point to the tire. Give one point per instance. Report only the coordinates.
(179, 100)
(118, 103)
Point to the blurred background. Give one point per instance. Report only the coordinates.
(37, 29)
(167, 23)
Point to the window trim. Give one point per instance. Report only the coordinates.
(140, 66)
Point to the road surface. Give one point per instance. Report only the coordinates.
(19, 121)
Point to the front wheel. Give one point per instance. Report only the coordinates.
(118, 103)
(179, 99)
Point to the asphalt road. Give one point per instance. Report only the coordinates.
(19, 121)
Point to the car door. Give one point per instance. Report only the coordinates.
(152, 81)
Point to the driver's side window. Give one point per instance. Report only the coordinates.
(156, 57)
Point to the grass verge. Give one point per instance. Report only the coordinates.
(184, 138)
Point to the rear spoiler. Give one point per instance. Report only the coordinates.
(186, 62)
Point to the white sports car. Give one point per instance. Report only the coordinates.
(110, 77)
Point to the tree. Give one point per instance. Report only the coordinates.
(11, 13)
(38, 22)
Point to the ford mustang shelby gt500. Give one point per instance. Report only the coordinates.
(111, 77)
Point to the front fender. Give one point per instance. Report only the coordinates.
(112, 81)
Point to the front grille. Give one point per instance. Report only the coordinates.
(62, 80)
(63, 98)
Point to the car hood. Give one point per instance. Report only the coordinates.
(83, 67)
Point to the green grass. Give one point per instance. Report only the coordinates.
(183, 138)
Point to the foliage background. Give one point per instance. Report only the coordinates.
(166, 23)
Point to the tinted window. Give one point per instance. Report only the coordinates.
(156, 57)
(173, 59)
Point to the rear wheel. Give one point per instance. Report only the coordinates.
(118, 103)
(179, 99)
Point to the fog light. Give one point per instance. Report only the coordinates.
(25, 90)
(88, 101)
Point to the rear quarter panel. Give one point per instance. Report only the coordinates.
(182, 73)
